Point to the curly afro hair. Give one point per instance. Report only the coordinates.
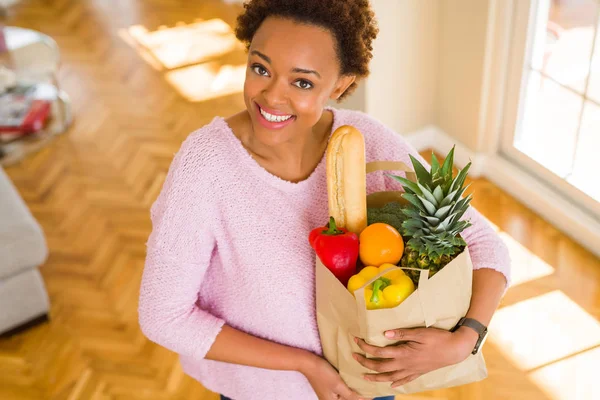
(352, 23)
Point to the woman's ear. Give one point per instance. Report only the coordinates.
(341, 85)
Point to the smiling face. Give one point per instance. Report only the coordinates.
(293, 70)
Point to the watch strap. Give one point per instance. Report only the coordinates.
(473, 324)
(476, 326)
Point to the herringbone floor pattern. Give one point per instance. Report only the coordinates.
(91, 190)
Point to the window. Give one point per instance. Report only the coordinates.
(552, 124)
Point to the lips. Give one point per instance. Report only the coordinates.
(273, 119)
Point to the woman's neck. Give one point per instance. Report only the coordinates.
(292, 160)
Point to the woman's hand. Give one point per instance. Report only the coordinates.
(326, 381)
(420, 351)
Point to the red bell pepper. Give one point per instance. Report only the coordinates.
(337, 249)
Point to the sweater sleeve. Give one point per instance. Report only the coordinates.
(486, 248)
(179, 250)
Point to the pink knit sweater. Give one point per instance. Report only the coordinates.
(225, 234)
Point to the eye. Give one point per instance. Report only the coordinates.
(260, 70)
(304, 84)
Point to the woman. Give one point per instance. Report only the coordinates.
(229, 277)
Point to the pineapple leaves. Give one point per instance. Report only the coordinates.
(412, 187)
(411, 213)
(442, 226)
(435, 164)
(458, 196)
(438, 193)
(448, 162)
(430, 248)
(417, 245)
(457, 241)
(428, 205)
(414, 201)
(423, 175)
(433, 221)
(448, 199)
(412, 225)
(435, 207)
(462, 175)
(461, 206)
(442, 212)
(427, 194)
(460, 178)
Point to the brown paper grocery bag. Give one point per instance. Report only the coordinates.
(437, 302)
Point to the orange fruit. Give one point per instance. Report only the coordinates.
(380, 243)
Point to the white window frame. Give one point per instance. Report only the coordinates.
(524, 25)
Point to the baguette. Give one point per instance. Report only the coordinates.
(347, 179)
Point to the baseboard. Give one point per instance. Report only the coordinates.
(423, 138)
(540, 198)
(432, 137)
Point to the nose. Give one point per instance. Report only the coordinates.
(276, 93)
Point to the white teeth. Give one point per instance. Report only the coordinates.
(274, 118)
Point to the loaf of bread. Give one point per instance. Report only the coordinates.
(347, 179)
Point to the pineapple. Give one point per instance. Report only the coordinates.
(434, 211)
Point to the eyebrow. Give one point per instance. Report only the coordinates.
(296, 70)
(306, 71)
(261, 55)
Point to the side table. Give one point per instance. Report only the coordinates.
(35, 58)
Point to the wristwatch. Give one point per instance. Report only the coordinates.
(478, 327)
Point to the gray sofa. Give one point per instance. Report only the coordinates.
(23, 296)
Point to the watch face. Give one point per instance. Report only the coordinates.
(480, 343)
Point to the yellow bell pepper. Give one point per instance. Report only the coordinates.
(365, 275)
(388, 291)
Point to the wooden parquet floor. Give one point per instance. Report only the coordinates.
(91, 190)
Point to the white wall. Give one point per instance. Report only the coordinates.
(401, 90)
(461, 72)
(356, 101)
(428, 67)
(402, 87)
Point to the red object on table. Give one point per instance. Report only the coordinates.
(32, 121)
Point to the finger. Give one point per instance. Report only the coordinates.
(348, 394)
(379, 352)
(376, 365)
(405, 380)
(412, 335)
(392, 376)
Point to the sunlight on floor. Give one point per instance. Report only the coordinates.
(190, 55)
(543, 329)
(573, 378)
(554, 341)
(549, 337)
(141, 51)
(186, 44)
(526, 266)
(208, 81)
